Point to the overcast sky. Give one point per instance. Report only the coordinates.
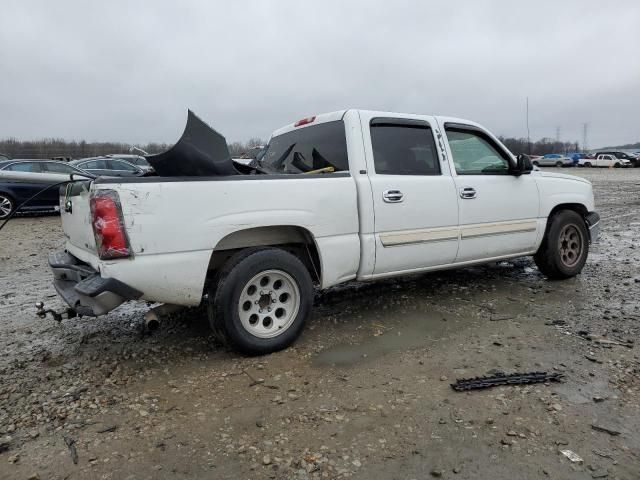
(128, 70)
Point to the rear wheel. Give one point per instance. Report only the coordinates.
(6, 205)
(536, 164)
(565, 246)
(261, 302)
(559, 164)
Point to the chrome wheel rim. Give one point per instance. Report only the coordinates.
(5, 206)
(570, 245)
(269, 304)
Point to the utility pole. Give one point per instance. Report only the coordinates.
(528, 133)
(558, 134)
(585, 132)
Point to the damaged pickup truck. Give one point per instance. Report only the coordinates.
(348, 195)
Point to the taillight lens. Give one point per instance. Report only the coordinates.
(108, 225)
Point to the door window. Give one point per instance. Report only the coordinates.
(24, 167)
(53, 167)
(475, 154)
(94, 165)
(124, 166)
(403, 149)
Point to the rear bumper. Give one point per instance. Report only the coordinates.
(593, 224)
(84, 290)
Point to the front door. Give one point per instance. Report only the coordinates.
(414, 196)
(498, 210)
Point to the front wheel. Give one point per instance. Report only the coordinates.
(587, 164)
(536, 164)
(565, 246)
(559, 164)
(6, 206)
(261, 302)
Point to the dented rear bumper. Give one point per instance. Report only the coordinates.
(84, 289)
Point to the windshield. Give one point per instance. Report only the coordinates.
(318, 148)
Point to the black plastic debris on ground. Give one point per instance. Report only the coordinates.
(479, 383)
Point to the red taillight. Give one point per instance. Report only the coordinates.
(108, 226)
(304, 121)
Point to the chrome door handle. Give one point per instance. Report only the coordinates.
(392, 196)
(468, 192)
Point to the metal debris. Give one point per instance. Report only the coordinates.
(71, 445)
(606, 429)
(478, 383)
(574, 457)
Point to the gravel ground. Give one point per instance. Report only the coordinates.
(363, 394)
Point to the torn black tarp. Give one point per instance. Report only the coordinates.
(201, 151)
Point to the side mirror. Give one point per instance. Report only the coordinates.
(523, 165)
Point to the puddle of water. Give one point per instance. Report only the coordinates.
(414, 329)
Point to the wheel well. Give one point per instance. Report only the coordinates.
(296, 240)
(576, 207)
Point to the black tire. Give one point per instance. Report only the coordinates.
(559, 164)
(617, 165)
(587, 164)
(560, 258)
(7, 205)
(224, 299)
(536, 164)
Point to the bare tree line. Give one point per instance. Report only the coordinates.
(56, 148)
(540, 147)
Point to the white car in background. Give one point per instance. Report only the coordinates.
(553, 160)
(604, 160)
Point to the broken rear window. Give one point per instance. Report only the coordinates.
(318, 148)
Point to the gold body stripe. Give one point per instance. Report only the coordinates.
(440, 234)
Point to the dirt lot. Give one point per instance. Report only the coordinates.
(363, 394)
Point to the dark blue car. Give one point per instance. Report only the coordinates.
(45, 172)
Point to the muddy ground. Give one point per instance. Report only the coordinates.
(363, 394)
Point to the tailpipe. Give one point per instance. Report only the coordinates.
(156, 315)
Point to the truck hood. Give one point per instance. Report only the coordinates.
(200, 151)
(563, 176)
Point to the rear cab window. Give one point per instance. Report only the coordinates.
(320, 148)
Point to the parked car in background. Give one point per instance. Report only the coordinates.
(604, 160)
(553, 160)
(576, 156)
(622, 156)
(137, 160)
(108, 167)
(21, 179)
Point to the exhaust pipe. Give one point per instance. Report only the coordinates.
(151, 321)
(155, 315)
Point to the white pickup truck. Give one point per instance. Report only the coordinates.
(604, 160)
(348, 195)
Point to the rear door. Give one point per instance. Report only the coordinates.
(414, 197)
(498, 210)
